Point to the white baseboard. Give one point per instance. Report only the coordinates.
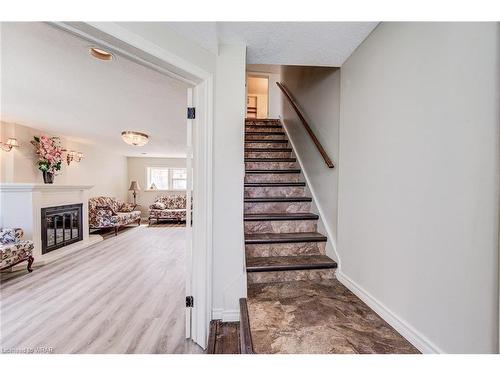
(418, 340)
(226, 315)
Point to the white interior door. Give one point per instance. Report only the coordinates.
(189, 223)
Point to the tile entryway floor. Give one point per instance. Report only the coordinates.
(317, 317)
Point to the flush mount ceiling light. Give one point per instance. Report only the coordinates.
(100, 54)
(135, 138)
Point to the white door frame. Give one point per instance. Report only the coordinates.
(126, 43)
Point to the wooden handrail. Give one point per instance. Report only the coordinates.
(318, 145)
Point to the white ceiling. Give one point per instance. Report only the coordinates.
(50, 82)
(282, 43)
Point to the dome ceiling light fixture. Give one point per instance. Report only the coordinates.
(135, 138)
(100, 54)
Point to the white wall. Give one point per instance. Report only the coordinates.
(419, 180)
(317, 91)
(137, 171)
(103, 169)
(229, 282)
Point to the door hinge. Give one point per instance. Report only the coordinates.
(191, 113)
(189, 301)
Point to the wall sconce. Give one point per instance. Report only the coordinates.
(73, 156)
(7, 146)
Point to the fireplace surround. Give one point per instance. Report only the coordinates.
(61, 226)
(22, 205)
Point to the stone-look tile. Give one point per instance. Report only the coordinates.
(285, 249)
(262, 129)
(276, 207)
(266, 145)
(277, 191)
(280, 226)
(262, 122)
(267, 155)
(272, 177)
(317, 317)
(288, 276)
(249, 137)
(270, 165)
(263, 263)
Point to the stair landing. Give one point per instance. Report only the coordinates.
(317, 317)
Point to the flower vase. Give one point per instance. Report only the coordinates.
(48, 177)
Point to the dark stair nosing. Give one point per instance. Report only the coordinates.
(308, 263)
(246, 344)
(280, 217)
(266, 141)
(271, 171)
(277, 199)
(285, 238)
(266, 160)
(264, 133)
(262, 120)
(274, 184)
(263, 126)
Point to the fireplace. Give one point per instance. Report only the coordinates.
(61, 226)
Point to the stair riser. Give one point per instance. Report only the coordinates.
(268, 155)
(278, 191)
(266, 145)
(262, 129)
(287, 276)
(270, 165)
(261, 137)
(277, 207)
(285, 249)
(271, 177)
(280, 226)
(262, 123)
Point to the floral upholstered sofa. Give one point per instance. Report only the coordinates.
(107, 212)
(168, 207)
(13, 249)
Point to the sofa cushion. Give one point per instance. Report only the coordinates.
(127, 207)
(175, 201)
(124, 218)
(8, 235)
(108, 202)
(158, 206)
(176, 214)
(15, 252)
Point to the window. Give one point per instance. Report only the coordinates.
(179, 179)
(161, 178)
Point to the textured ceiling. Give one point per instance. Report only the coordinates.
(50, 82)
(282, 43)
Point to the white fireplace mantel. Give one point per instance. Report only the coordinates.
(11, 187)
(21, 204)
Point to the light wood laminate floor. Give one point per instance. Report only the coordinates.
(122, 295)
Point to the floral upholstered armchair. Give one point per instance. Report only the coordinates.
(168, 207)
(107, 212)
(13, 249)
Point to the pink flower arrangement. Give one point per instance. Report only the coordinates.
(49, 153)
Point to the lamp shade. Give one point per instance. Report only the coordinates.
(134, 186)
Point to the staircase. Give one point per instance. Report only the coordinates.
(295, 303)
(282, 243)
(281, 239)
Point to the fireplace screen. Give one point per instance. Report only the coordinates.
(61, 226)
